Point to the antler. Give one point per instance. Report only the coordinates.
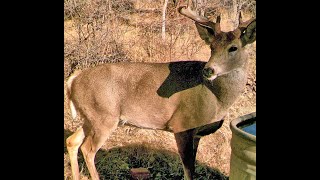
(201, 20)
(242, 25)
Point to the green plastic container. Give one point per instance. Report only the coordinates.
(243, 148)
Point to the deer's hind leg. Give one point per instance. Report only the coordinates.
(96, 135)
(73, 143)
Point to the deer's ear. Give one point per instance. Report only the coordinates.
(206, 33)
(248, 34)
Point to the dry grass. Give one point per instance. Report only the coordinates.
(131, 33)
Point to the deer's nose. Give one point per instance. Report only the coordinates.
(207, 72)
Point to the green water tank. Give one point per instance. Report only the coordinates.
(243, 148)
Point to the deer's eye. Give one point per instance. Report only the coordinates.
(233, 48)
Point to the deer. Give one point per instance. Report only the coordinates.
(187, 98)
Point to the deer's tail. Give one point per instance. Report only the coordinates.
(69, 87)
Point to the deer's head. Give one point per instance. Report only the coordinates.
(227, 53)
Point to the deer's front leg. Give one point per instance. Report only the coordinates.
(188, 141)
(187, 146)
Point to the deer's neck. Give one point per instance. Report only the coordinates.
(227, 88)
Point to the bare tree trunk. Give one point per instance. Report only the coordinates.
(164, 20)
(201, 6)
(109, 5)
(235, 4)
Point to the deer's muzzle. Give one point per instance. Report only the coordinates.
(207, 72)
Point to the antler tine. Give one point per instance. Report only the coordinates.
(217, 27)
(244, 24)
(186, 11)
(240, 18)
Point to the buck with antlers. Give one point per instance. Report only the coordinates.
(188, 98)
